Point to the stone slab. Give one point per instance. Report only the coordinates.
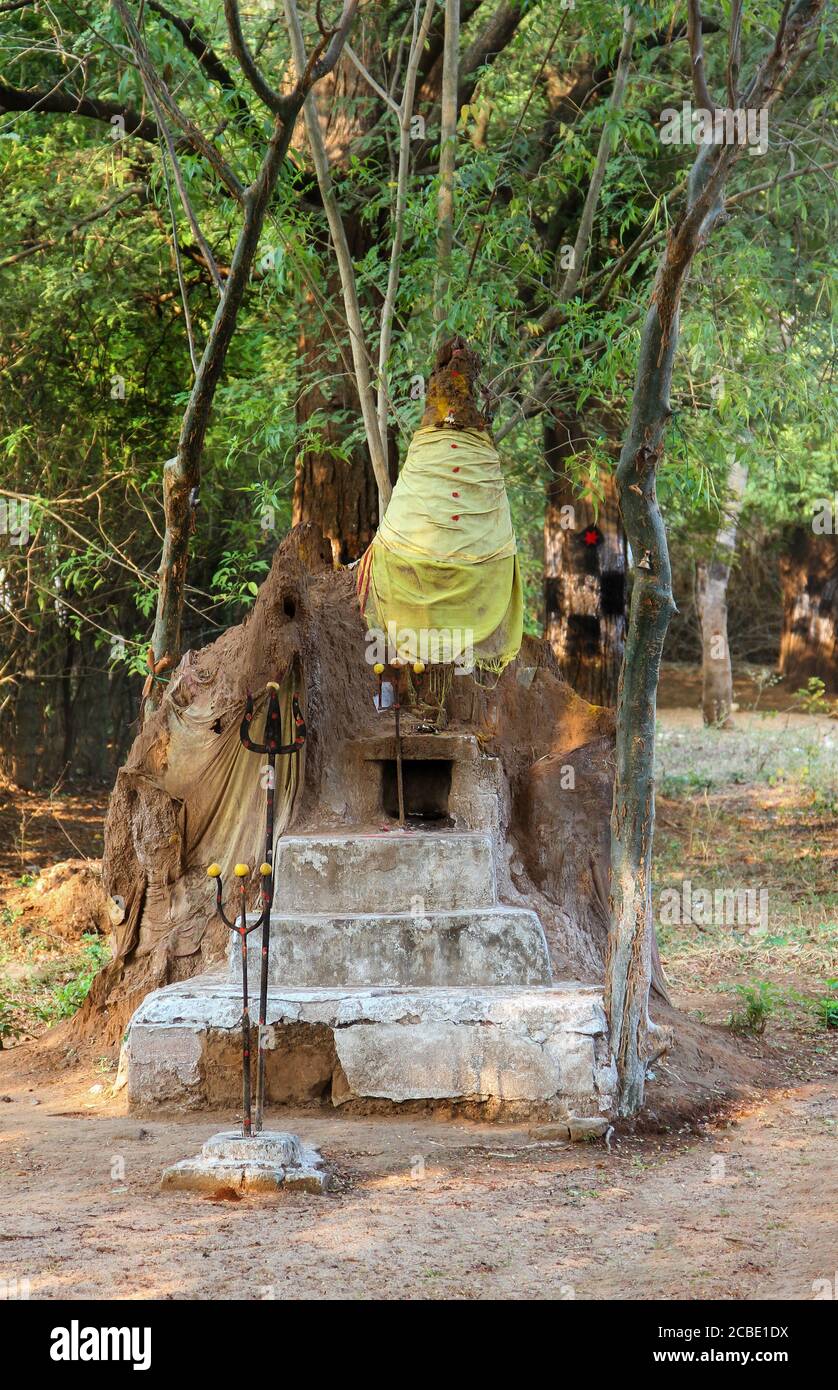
(391, 871)
(484, 946)
(545, 1045)
(444, 746)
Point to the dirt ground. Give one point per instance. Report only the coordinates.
(734, 1197)
(425, 1209)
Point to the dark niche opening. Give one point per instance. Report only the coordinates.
(612, 588)
(583, 633)
(427, 786)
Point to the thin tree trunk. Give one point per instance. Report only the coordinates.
(360, 353)
(181, 475)
(629, 965)
(388, 308)
(712, 577)
(606, 142)
(447, 157)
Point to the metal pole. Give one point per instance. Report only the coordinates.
(242, 930)
(273, 731)
(247, 1122)
(399, 774)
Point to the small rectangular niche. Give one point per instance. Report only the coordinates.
(427, 787)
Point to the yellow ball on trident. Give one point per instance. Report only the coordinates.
(379, 668)
(265, 869)
(418, 667)
(241, 870)
(214, 871)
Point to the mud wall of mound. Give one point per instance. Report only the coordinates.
(305, 628)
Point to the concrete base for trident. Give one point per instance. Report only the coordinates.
(262, 1163)
(254, 1160)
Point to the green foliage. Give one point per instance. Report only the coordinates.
(759, 1001)
(812, 699)
(66, 998)
(94, 357)
(10, 1025)
(826, 1007)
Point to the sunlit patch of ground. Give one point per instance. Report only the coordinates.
(754, 809)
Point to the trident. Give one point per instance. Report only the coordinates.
(273, 748)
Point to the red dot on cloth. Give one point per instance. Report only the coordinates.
(455, 518)
(456, 468)
(455, 494)
(454, 446)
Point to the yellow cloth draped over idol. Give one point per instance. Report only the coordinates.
(441, 578)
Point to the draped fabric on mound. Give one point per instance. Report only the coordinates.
(209, 805)
(444, 558)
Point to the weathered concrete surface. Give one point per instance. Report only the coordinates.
(485, 946)
(394, 871)
(262, 1163)
(540, 1045)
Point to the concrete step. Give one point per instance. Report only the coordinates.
(389, 872)
(482, 946)
(521, 1052)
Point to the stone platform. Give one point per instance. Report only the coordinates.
(541, 1046)
(396, 977)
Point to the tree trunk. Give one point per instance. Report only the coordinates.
(712, 577)
(449, 113)
(584, 573)
(629, 966)
(809, 640)
(338, 494)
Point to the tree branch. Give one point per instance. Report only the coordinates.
(57, 102)
(376, 87)
(153, 83)
(734, 59)
(192, 219)
(199, 47)
(273, 100)
(388, 308)
(131, 192)
(586, 222)
(346, 270)
(695, 36)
